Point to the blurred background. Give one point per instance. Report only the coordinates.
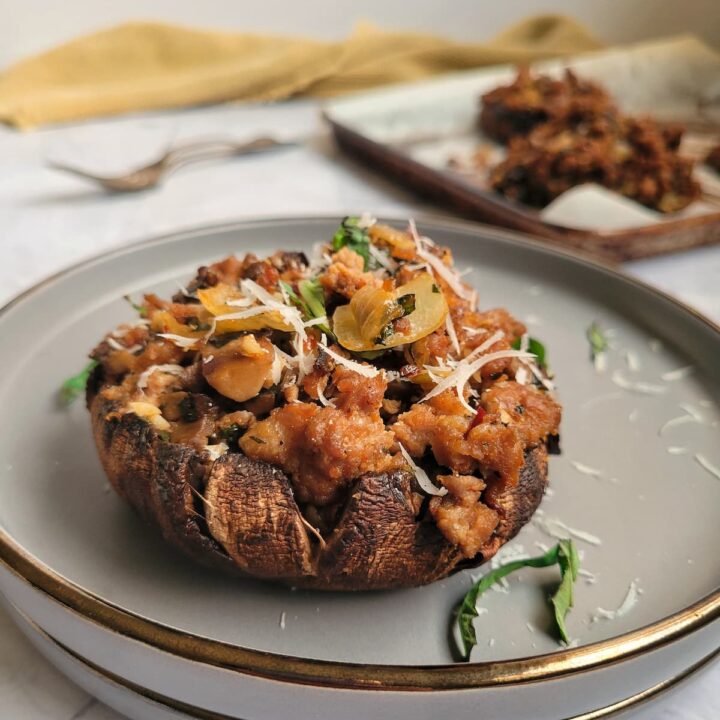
(611, 20)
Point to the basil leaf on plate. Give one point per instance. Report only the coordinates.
(563, 554)
(74, 386)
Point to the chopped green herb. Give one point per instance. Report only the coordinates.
(311, 301)
(536, 348)
(230, 434)
(313, 294)
(597, 339)
(407, 303)
(435, 288)
(141, 310)
(355, 238)
(563, 554)
(73, 387)
(258, 440)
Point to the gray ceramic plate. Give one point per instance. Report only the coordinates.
(647, 519)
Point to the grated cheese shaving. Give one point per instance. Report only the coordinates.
(277, 366)
(421, 475)
(321, 397)
(674, 422)
(363, 369)
(631, 598)
(460, 376)
(145, 375)
(450, 328)
(216, 451)
(559, 530)
(290, 314)
(633, 361)
(283, 616)
(180, 340)
(316, 321)
(586, 469)
(641, 387)
(600, 362)
(705, 463)
(242, 302)
(382, 258)
(678, 374)
(690, 410)
(442, 270)
(677, 450)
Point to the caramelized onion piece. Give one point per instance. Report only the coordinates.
(218, 301)
(357, 325)
(241, 368)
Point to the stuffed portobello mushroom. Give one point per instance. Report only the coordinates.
(353, 422)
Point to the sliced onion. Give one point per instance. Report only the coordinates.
(358, 324)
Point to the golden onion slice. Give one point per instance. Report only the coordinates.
(164, 321)
(357, 324)
(224, 299)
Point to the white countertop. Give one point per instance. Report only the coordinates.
(49, 220)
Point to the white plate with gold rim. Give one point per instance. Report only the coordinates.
(82, 566)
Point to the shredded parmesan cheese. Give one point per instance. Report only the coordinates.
(151, 413)
(382, 258)
(705, 463)
(421, 475)
(678, 374)
(559, 530)
(180, 340)
(321, 397)
(677, 450)
(452, 334)
(460, 376)
(627, 604)
(363, 369)
(216, 451)
(586, 469)
(145, 375)
(439, 267)
(639, 387)
(633, 361)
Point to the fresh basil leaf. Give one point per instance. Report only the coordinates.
(407, 303)
(536, 348)
(311, 301)
(355, 238)
(562, 600)
(313, 294)
(563, 554)
(597, 339)
(74, 386)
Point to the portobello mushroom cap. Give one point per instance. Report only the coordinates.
(240, 515)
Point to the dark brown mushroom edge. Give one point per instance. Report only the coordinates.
(350, 423)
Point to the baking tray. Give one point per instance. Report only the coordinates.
(409, 133)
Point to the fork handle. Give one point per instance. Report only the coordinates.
(210, 149)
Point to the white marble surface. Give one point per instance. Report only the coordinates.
(49, 220)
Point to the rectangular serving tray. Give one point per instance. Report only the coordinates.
(406, 131)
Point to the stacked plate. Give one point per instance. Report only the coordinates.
(155, 636)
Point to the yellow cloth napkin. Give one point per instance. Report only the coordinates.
(147, 66)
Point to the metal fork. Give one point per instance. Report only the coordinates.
(151, 175)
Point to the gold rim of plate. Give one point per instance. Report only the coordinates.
(608, 711)
(356, 676)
